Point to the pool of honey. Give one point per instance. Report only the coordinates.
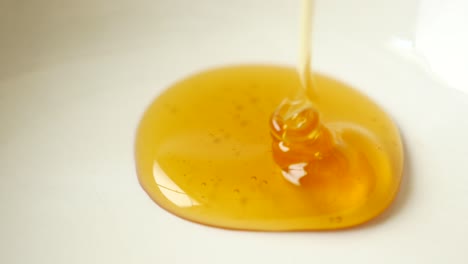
(204, 153)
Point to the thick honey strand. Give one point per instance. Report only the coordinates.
(300, 140)
(315, 158)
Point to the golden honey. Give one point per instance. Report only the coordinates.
(224, 148)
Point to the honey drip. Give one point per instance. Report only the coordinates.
(304, 148)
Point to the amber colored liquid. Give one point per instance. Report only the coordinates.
(305, 50)
(204, 152)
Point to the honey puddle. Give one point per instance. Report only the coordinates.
(204, 153)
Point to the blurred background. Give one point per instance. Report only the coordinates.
(36, 33)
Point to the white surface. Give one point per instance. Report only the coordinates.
(75, 77)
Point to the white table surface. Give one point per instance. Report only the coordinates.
(76, 76)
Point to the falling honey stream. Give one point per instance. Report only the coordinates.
(227, 148)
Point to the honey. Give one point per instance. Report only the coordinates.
(205, 151)
(257, 147)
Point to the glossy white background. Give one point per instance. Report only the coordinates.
(76, 76)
